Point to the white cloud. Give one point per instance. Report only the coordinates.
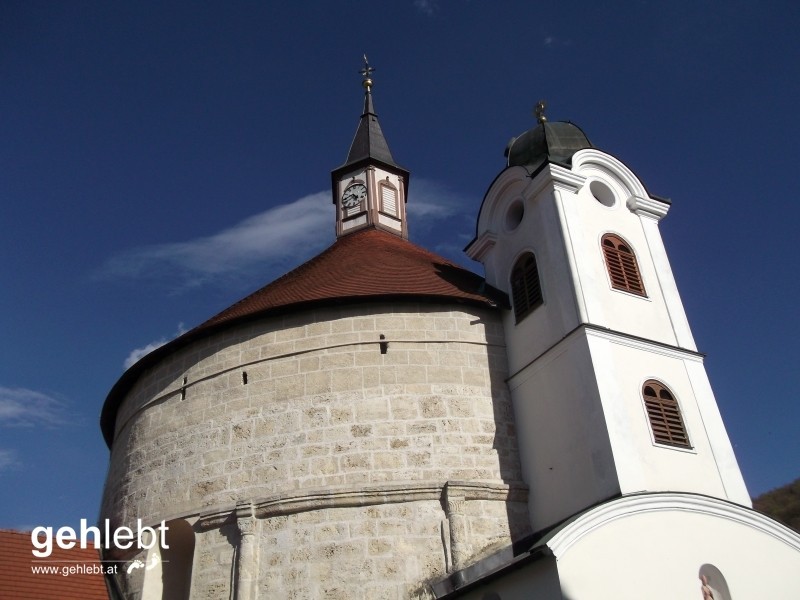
(23, 407)
(287, 233)
(553, 41)
(138, 353)
(431, 205)
(271, 236)
(8, 460)
(428, 199)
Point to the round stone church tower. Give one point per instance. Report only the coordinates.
(344, 432)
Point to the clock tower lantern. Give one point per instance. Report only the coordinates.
(370, 189)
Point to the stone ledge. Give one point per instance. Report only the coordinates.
(287, 504)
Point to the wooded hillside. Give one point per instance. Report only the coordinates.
(782, 504)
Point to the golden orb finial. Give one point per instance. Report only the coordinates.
(366, 72)
(539, 111)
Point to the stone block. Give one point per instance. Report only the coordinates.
(444, 324)
(474, 377)
(282, 367)
(341, 326)
(336, 361)
(346, 379)
(324, 465)
(307, 364)
(387, 460)
(388, 375)
(289, 387)
(364, 324)
(395, 356)
(315, 417)
(411, 374)
(361, 430)
(433, 407)
(423, 357)
(369, 357)
(318, 328)
(318, 382)
(356, 461)
(372, 409)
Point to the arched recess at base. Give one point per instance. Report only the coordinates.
(168, 574)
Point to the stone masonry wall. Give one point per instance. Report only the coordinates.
(381, 551)
(304, 414)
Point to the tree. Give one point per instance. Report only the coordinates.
(782, 504)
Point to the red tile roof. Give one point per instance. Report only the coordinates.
(367, 265)
(19, 582)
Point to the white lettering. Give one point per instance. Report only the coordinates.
(151, 535)
(65, 537)
(163, 529)
(122, 537)
(123, 533)
(85, 535)
(43, 547)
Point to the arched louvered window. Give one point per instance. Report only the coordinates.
(665, 415)
(526, 291)
(622, 266)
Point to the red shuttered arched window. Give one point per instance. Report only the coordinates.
(622, 266)
(665, 415)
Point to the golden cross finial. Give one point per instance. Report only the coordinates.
(366, 72)
(539, 111)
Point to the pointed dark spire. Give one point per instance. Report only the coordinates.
(378, 186)
(369, 143)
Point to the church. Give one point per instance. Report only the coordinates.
(381, 423)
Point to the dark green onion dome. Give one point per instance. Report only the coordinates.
(547, 142)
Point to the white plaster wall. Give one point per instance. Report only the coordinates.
(653, 546)
(622, 366)
(587, 221)
(585, 434)
(565, 452)
(658, 555)
(347, 179)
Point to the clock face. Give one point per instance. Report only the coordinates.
(354, 195)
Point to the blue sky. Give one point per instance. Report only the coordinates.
(160, 160)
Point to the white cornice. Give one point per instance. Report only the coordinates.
(563, 179)
(635, 504)
(624, 339)
(648, 207)
(591, 157)
(481, 245)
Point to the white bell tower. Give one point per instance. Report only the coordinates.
(610, 393)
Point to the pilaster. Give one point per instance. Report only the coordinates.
(246, 555)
